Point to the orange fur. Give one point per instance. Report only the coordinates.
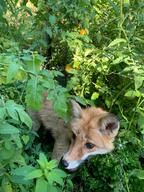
(92, 125)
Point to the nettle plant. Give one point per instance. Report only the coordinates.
(17, 173)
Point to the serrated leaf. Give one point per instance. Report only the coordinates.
(117, 41)
(34, 94)
(41, 185)
(6, 128)
(34, 174)
(60, 106)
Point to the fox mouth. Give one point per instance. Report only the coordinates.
(72, 170)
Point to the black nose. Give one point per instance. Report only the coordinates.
(64, 163)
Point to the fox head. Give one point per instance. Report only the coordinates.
(94, 131)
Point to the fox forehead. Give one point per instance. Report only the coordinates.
(89, 120)
(87, 127)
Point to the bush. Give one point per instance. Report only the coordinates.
(94, 47)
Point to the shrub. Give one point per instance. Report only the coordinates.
(97, 47)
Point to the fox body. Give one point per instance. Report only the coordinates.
(91, 131)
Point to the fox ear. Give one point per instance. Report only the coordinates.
(76, 109)
(109, 125)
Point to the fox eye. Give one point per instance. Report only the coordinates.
(89, 145)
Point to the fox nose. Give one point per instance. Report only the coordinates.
(64, 163)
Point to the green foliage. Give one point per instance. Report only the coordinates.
(47, 175)
(100, 46)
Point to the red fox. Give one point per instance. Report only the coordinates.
(91, 131)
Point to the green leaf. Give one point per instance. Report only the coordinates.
(25, 139)
(20, 180)
(12, 71)
(6, 128)
(41, 185)
(138, 173)
(81, 100)
(49, 31)
(138, 81)
(118, 60)
(132, 94)
(34, 94)
(53, 177)
(117, 41)
(15, 111)
(24, 117)
(95, 96)
(7, 187)
(141, 121)
(42, 161)
(6, 154)
(11, 109)
(52, 164)
(52, 188)
(52, 19)
(2, 113)
(34, 174)
(17, 140)
(23, 171)
(59, 173)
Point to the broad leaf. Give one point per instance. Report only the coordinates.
(42, 161)
(12, 71)
(41, 185)
(138, 173)
(23, 171)
(6, 128)
(34, 174)
(52, 164)
(24, 117)
(2, 113)
(52, 19)
(132, 94)
(117, 41)
(138, 81)
(34, 94)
